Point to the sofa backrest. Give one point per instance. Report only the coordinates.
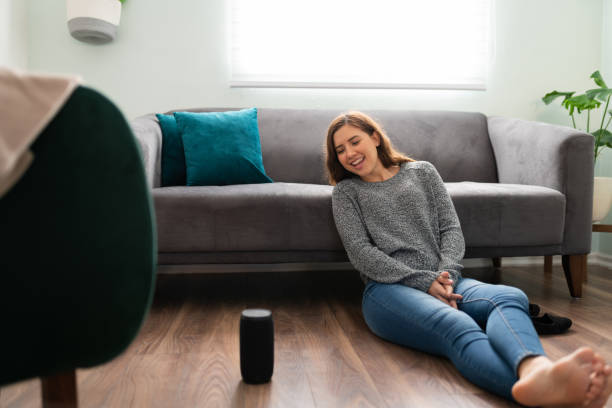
(457, 143)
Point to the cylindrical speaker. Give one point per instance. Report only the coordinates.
(256, 346)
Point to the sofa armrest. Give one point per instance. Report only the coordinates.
(552, 156)
(149, 136)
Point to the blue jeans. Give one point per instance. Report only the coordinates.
(486, 338)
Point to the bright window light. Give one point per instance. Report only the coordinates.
(427, 44)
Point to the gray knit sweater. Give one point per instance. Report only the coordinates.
(401, 230)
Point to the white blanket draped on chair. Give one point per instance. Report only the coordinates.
(28, 102)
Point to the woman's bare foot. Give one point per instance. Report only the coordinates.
(599, 378)
(563, 382)
(605, 389)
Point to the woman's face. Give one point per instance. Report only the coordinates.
(356, 150)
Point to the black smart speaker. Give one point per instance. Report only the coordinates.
(256, 346)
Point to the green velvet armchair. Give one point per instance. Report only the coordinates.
(77, 249)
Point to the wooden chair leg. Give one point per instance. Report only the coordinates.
(60, 390)
(574, 267)
(496, 262)
(548, 264)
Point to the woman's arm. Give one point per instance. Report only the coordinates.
(452, 244)
(367, 258)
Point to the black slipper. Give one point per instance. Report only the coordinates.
(551, 324)
(534, 310)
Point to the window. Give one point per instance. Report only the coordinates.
(433, 44)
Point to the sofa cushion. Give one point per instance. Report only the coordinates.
(222, 148)
(293, 140)
(507, 215)
(248, 217)
(293, 217)
(173, 172)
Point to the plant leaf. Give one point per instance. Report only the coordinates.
(599, 93)
(598, 79)
(551, 96)
(581, 102)
(605, 137)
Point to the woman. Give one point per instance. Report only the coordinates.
(401, 232)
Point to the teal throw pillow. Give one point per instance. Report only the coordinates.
(173, 171)
(222, 148)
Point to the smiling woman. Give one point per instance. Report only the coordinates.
(356, 150)
(276, 43)
(400, 230)
(358, 142)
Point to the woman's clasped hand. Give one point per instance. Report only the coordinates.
(442, 289)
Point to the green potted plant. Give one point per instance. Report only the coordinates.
(590, 102)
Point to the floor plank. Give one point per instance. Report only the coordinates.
(187, 352)
(336, 374)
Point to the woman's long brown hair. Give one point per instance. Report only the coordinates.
(386, 152)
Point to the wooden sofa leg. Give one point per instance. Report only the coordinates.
(548, 264)
(60, 390)
(496, 262)
(574, 267)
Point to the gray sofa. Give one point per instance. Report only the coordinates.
(520, 189)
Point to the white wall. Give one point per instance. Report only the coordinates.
(173, 55)
(602, 242)
(13, 34)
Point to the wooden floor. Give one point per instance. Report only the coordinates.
(187, 353)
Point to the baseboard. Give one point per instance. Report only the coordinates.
(594, 258)
(600, 259)
(509, 261)
(237, 268)
(528, 260)
(476, 263)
